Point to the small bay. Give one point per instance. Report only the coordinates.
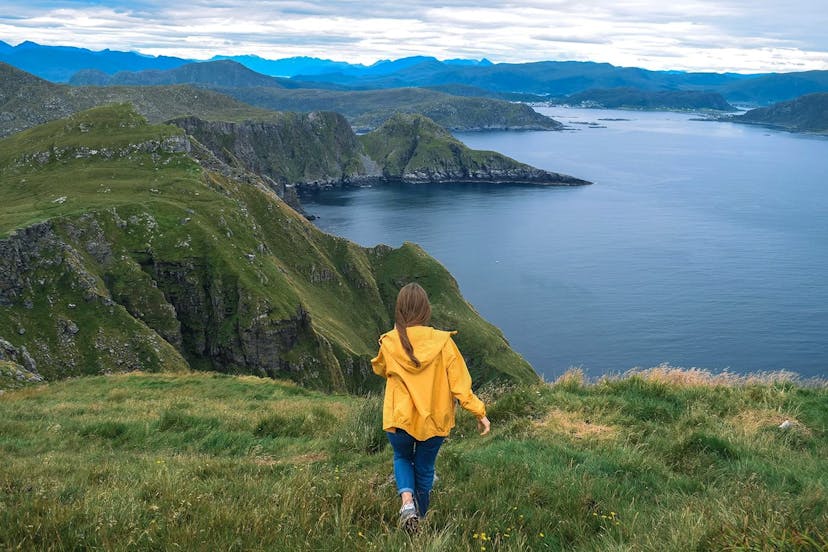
(700, 244)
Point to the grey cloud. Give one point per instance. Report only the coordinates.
(638, 30)
(572, 39)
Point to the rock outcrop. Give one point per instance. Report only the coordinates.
(414, 149)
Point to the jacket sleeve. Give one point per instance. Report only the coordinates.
(378, 363)
(460, 381)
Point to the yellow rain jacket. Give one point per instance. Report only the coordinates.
(421, 400)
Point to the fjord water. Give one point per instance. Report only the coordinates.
(700, 244)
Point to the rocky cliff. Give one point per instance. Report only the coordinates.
(165, 258)
(311, 151)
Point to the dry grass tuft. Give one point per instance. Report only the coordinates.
(697, 377)
(751, 421)
(575, 425)
(574, 377)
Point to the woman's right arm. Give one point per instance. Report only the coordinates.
(460, 383)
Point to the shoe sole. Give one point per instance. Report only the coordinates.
(412, 525)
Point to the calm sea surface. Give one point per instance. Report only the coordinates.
(700, 244)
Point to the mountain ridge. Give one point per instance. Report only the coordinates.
(551, 78)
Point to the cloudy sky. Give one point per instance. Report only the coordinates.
(725, 35)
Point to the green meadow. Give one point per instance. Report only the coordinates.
(657, 460)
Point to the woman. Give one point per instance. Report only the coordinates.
(424, 373)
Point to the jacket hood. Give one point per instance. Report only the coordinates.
(427, 343)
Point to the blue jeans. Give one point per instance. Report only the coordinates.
(414, 465)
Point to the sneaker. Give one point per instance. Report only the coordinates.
(408, 518)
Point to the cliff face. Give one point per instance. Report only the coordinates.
(309, 151)
(166, 258)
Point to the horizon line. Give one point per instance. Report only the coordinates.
(379, 60)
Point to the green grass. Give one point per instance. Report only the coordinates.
(201, 461)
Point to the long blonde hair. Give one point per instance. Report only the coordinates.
(413, 309)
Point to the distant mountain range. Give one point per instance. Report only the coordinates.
(547, 79)
(290, 67)
(59, 63)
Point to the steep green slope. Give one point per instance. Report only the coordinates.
(304, 149)
(805, 114)
(211, 462)
(413, 148)
(129, 246)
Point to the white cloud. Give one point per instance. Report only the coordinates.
(729, 35)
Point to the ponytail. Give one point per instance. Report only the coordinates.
(409, 349)
(413, 309)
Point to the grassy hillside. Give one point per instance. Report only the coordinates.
(27, 101)
(633, 98)
(126, 246)
(808, 113)
(368, 109)
(664, 460)
(408, 143)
